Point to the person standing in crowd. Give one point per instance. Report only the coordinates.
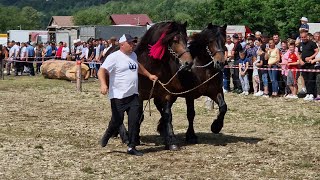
(84, 52)
(273, 60)
(227, 71)
(65, 51)
(59, 50)
(48, 51)
(276, 40)
(30, 58)
(122, 68)
(13, 55)
(308, 50)
(316, 63)
(243, 72)
(255, 75)
(23, 54)
(292, 59)
(263, 75)
(39, 52)
(235, 54)
(283, 87)
(3, 56)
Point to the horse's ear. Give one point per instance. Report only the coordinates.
(224, 27)
(185, 24)
(210, 26)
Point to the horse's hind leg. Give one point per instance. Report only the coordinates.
(217, 124)
(190, 135)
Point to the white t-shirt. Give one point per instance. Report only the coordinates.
(123, 74)
(229, 48)
(13, 52)
(65, 52)
(23, 52)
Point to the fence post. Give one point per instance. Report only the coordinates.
(79, 76)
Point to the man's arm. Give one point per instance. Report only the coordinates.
(146, 73)
(103, 76)
(308, 59)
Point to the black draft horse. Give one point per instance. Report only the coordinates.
(205, 78)
(163, 51)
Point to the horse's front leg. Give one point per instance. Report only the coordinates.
(169, 137)
(217, 124)
(190, 135)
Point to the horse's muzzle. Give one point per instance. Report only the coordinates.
(187, 66)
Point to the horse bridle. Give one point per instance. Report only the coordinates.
(213, 60)
(177, 56)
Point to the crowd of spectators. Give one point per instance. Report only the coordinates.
(21, 56)
(271, 67)
(259, 64)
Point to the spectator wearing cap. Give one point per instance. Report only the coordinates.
(235, 54)
(122, 69)
(304, 24)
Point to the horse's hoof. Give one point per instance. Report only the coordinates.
(216, 127)
(172, 147)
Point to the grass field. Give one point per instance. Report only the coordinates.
(49, 131)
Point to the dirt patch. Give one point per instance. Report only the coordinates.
(48, 131)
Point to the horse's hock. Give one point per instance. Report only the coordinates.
(58, 69)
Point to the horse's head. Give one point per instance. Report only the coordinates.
(215, 47)
(173, 40)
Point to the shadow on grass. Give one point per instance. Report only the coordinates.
(203, 138)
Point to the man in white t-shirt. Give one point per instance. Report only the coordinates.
(65, 51)
(122, 68)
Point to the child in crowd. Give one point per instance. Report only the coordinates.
(243, 72)
(255, 75)
(263, 74)
(292, 63)
(304, 24)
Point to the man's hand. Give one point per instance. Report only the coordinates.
(104, 89)
(153, 77)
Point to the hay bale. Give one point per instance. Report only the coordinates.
(59, 69)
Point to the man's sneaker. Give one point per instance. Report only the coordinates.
(293, 96)
(307, 97)
(265, 95)
(133, 151)
(317, 98)
(246, 93)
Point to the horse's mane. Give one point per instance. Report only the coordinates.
(171, 28)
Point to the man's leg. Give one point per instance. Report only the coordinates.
(133, 126)
(117, 109)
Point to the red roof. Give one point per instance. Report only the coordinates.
(132, 19)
